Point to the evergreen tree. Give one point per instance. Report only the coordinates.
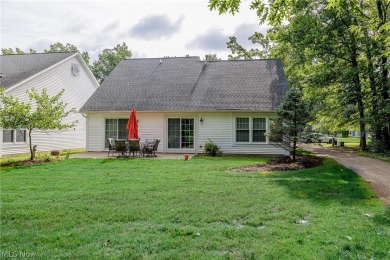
(292, 117)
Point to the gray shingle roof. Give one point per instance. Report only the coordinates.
(16, 68)
(188, 84)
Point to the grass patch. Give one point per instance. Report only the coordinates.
(355, 149)
(13, 159)
(197, 209)
(352, 140)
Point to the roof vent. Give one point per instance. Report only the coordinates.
(75, 70)
(160, 61)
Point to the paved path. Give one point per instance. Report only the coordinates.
(374, 171)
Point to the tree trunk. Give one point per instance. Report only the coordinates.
(385, 100)
(359, 98)
(32, 152)
(375, 125)
(384, 80)
(295, 146)
(362, 124)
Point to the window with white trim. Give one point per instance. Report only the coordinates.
(181, 133)
(14, 136)
(251, 129)
(115, 128)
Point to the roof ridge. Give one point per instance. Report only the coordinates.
(39, 53)
(244, 60)
(183, 57)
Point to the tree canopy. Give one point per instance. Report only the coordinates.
(337, 51)
(108, 60)
(60, 47)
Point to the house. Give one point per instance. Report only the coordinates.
(186, 101)
(53, 71)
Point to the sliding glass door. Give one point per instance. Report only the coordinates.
(180, 133)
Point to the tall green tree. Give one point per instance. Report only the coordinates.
(338, 51)
(42, 112)
(60, 47)
(108, 60)
(292, 118)
(240, 52)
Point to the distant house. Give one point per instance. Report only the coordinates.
(186, 101)
(53, 71)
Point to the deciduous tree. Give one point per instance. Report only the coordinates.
(108, 60)
(8, 51)
(42, 112)
(60, 47)
(338, 51)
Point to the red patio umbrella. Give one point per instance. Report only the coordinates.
(132, 125)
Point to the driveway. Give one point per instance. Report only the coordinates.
(376, 172)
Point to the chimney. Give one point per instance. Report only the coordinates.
(206, 59)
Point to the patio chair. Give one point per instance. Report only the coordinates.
(150, 147)
(134, 147)
(120, 147)
(111, 146)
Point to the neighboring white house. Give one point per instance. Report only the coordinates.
(53, 71)
(186, 101)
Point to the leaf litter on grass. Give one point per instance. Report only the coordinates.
(284, 164)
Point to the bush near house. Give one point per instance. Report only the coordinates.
(211, 148)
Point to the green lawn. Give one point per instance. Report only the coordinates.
(196, 209)
(354, 140)
(351, 144)
(15, 158)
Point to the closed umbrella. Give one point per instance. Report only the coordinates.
(132, 125)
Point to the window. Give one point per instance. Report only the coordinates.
(116, 128)
(242, 129)
(181, 133)
(251, 130)
(8, 136)
(258, 132)
(14, 136)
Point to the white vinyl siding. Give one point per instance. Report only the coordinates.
(218, 126)
(150, 126)
(77, 92)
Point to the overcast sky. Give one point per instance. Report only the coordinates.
(150, 28)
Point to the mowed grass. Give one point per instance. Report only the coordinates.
(351, 144)
(6, 160)
(196, 209)
(353, 140)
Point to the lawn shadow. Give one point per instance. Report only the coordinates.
(328, 183)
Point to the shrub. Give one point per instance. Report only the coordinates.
(211, 148)
(67, 154)
(45, 157)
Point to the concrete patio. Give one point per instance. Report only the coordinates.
(176, 156)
